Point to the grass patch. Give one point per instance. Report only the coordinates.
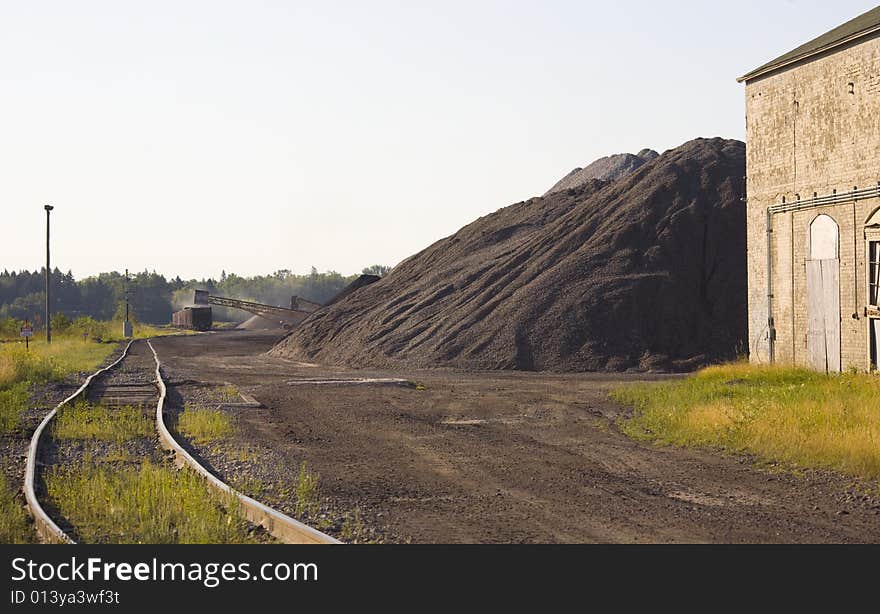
(353, 529)
(780, 414)
(86, 421)
(13, 402)
(78, 349)
(148, 504)
(307, 496)
(71, 355)
(14, 525)
(230, 394)
(20, 368)
(202, 426)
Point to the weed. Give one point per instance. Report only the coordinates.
(780, 414)
(85, 421)
(14, 526)
(13, 402)
(252, 487)
(307, 492)
(353, 529)
(202, 426)
(230, 394)
(148, 504)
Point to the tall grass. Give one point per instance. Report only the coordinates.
(781, 414)
(105, 331)
(13, 401)
(14, 526)
(202, 426)
(307, 494)
(20, 368)
(19, 365)
(146, 504)
(85, 421)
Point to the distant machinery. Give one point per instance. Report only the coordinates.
(199, 316)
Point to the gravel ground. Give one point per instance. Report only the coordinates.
(256, 470)
(504, 458)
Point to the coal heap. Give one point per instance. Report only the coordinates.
(609, 168)
(645, 272)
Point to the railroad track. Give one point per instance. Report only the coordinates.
(135, 380)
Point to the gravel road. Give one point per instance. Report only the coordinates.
(499, 457)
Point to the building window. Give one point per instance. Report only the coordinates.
(824, 235)
(874, 274)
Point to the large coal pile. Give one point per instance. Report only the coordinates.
(609, 168)
(648, 271)
(361, 282)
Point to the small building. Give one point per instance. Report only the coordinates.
(813, 209)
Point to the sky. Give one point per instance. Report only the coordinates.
(192, 137)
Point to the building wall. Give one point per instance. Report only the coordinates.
(814, 128)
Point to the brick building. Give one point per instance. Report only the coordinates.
(813, 185)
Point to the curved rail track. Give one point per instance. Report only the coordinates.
(281, 526)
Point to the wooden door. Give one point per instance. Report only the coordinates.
(823, 297)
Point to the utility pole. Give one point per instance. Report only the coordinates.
(48, 209)
(126, 326)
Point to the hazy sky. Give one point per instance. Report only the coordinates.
(191, 137)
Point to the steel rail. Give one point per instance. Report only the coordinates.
(46, 527)
(281, 526)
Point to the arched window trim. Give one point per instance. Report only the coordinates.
(820, 219)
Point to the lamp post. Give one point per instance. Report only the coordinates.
(48, 209)
(126, 326)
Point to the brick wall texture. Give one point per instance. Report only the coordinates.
(813, 128)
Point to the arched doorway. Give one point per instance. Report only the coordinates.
(823, 295)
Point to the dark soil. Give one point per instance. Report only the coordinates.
(506, 457)
(647, 272)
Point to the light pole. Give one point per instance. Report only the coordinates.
(48, 209)
(126, 326)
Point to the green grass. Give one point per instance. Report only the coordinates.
(353, 529)
(85, 421)
(307, 495)
(148, 504)
(110, 331)
(13, 402)
(71, 355)
(780, 414)
(230, 394)
(49, 362)
(21, 367)
(202, 426)
(14, 525)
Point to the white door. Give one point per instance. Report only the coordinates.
(823, 296)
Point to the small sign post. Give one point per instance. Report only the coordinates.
(27, 331)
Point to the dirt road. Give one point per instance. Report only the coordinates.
(508, 457)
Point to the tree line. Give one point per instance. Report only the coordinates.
(153, 297)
